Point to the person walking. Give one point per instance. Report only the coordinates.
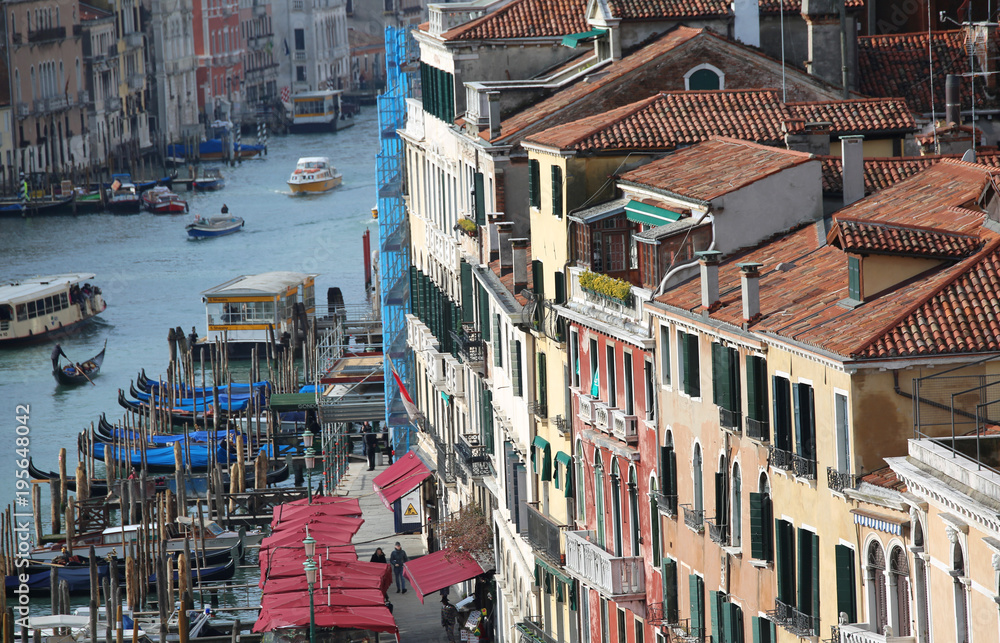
(396, 559)
(449, 614)
(371, 445)
(378, 556)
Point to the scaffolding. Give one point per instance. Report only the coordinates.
(394, 246)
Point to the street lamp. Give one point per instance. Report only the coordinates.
(307, 440)
(310, 569)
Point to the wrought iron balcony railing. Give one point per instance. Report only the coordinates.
(475, 457)
(804, 467)
(43, 35)
(667, 504)
(539, 409)
(532, 630)
(732, 420)
(543, 534)
(840, 480)
(781, 459)
(793, 620)
(757, 430)
(694, 518)
(469, 342)
(445, 462)
(719, 533)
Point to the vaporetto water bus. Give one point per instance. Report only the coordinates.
(41, 307)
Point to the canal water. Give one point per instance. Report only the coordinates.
(152, 276)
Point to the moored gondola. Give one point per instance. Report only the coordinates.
(73, 373)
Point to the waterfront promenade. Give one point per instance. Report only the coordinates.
(417, 622)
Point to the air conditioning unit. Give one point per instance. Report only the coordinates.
(602, 416)
(624, 427)
(586, 413)
(456, 377)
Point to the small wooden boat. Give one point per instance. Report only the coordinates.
(36, 207)
(209, 179)
(161, 200)
(314, 174)
(87, 202)
(74, 373)
(213, 227)
(123, 198)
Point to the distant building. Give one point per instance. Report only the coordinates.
(170, 38)
(313, 50)
(218, 45)
(260, 66)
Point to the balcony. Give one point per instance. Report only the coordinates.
(840, 480)
(667, 505)
(136, 82)
(731, 420)
(445, 462)
(619, 312)
(758, 430)
(539, 409)
(16, 38)
(133, 40)
(614, 577)
(40, 105)
(586, 413)
(694, 518)
(531, 630)
(23, 109)
(804, 467)
(793, 620)
(58, 104)
(543, 534)
(859, 633)
(84, 97)
(624, 427)
(781, 459)
(470, 343)
(601, 416)
(718, 533)
(300, 55)
(45, 35)
(474, 457)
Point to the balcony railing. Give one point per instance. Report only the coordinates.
(43, 35)
(602, 414)
(757, 430)
(781, 459)
(84, 97)
(840, 480)
(615, 577)
(793, 620)
(23, 109)
(731, 420)
(134, 39)
(136, 82)
(624, 427)
(300, 55)
(804, 467)
(719, 533)
(682, 631)
(445, 462)
(859, 633)
(694, 518)
(543, 534)
(586, 408)
(539, 409)
(58, 103)
(474, 457)
(667, 505)
(531, 630)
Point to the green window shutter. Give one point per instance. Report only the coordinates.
(560, 287)
(497, 357)
(413, 290)
(846, 602)
(557, 186)
(797, 416)
(515, 367)
(720, 499)
(546, 473)
(804, 596)
(713, 606)
(484, 314)
(692, 375)
(488, 424)
(736, 618)
(543, 387)
(733, 372)
(696, 588)
(784, 546)
(755, 629)
(534, 184)
(815, 581)
(669, 572)
(810, 423)
(479, 196)
(854, 280)
(468, 305)
(450, 92)
(782, 418)
(424, 83)
(753, 395)
(757, 526)
(726, 615)
(538, 277)
(568, 482)
(719, 377)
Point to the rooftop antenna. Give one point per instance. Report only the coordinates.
(930, 70)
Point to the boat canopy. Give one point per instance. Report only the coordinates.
(31, 289)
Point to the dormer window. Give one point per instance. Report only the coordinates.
(704, 77)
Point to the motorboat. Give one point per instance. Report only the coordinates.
(38, 308)
(123, 198)
(204, 228)
(209, 179)
(162, 200)
(314, 174)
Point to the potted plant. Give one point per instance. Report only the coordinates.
(607, 287)
(468, 226)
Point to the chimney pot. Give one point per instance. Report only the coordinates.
(493, 99)
(709, 260)
(952, 103)
(504, 230)
(519, 252)
(750, 286)
(747, 22)
(852, 160)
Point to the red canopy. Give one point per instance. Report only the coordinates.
(337, 573)
(339, 533)
(319, 524)
(333, 596)
(319, 500)
(439, 570)
(378, 619)
(346, 553)
(344, 507)
(402, 477)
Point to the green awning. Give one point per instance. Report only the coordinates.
(565, 458)
(574, 39)
(540, 442)
(642, 213)
(560, 575)
(292, 402)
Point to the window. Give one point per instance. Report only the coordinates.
(961, 598)
(650, 390)
(581, 497)
(756, 424)
(557, 188)
(687, 362)
(704, 77)
(479, 198)
(584, 614)
(721, 532)
(668, 472)
(727, 618)
(697, 475)
(726, 384)
(784, 542)
(805, 429)
(300, 39)
(764, 631)
(808, 585)
(595, 379)
(574, 355)
(534, 184)
(640, 631)
(846, 600)
(696, 596)
(543, 387)
(854, 278)
(621, 624)
(760, 521)
(616, 507)
(599, 495)
(654, 522)
(736, 530)
(877, 598)
(612, 382)
(629, 385)
(633, 511)
(497, 342)
(300, 74)
(668, 572)
(515, 368)
(605, 633)
(843, 436)
(664, 349)
(782, 413)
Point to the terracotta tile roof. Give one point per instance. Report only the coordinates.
(672, 119)
(868, 237)
(506, 277)
(896, 66)
(866, 115)
(681, 9)
(716, 167)
(880, 173)
(885, 478)
(950, 131)
(948, 309)
(525, 19)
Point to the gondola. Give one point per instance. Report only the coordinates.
(196, 457)
(147, 384)
(110, 434)
(39, 577)
(181, 415)
(73, 374)
(225, 399)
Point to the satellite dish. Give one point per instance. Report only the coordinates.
(969, 156)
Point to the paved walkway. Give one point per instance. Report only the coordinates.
(417, 622)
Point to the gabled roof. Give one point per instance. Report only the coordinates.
(897, 65)
(714, 168)
(869, 116)
(686, 9)
(869, 237)
(525, 19)
(880, 173)
(945, 310)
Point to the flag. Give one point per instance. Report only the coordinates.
(595, 384)
(286, 94)
(288, 51)
(411, 408)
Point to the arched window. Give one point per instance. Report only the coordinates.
(899, 591)
(633, 509)
(876, 586)
(654, 521)
(581, 496)
(699, 502)
(920, 593)
(599, 495)
(961, 600)
(17, 84)
(704, 77)
(616, 506)
(736, 532)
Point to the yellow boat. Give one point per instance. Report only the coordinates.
(314, 174)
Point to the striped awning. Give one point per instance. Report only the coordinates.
(877, 522)
(650, 214)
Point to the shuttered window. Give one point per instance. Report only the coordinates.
(534, 184)
(497, 342)
(764, 631)
(805, 421)
(757, 393)
(726, 377)
(732, 623)
(808, 582)
(669, 574)
(557, 191)
(488, 420)
(468, 305)
(537, 278)
(722, 504)
(687, 356)
(854, 280)
(515, 368)
(484, 314)
(716, 602)
(479, 197)
(543, 386)
(782, 413)
(760, 526)
(784, 543)
(560, 287)
(696, 589)
(846, 583)
(668, 472)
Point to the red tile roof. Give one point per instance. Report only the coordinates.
(716, 167)
(867, 237)
(948, 309)
(506, 277)
(897, 65)
(681, 9)
(866, 115)
(886, 478)
(880, 173)
(525, 19)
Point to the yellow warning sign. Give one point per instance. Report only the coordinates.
(410, 511)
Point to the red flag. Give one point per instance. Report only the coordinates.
(964, 10)
(411, 408)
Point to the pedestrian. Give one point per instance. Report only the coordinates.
(396, 559)
(449, 614)
(378, 556)
(371, 445)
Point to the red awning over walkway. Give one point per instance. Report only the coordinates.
(439, 570)
(402, 477)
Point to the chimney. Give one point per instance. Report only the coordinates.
(493, 98)
(823, 28)
(709, 260)
(519, 249)
(504, 230)
(750, 285)
(952, 103)
(494, 218)
(852, 161)
(747, 27)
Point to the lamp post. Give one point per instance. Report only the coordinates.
(310, 569)
(307, 440)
